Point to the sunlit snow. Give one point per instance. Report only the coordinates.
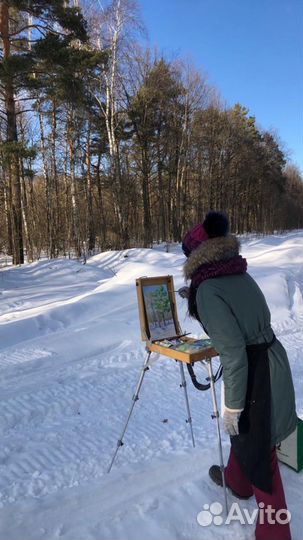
(70, 357)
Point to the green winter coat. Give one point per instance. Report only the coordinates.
(235, 314)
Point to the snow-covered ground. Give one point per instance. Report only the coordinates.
(70, 356)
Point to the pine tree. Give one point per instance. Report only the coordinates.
(34, 35)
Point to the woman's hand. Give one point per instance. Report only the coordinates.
(184, 292)
(230, 421)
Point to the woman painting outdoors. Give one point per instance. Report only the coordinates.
(259, 395)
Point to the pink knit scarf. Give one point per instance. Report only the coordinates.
(235, 265)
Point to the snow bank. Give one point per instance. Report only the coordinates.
(70, 355)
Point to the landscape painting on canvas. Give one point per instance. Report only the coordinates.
(159, 311)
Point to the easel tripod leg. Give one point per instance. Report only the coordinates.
(184, 386)
(215, 416)
(135, 398)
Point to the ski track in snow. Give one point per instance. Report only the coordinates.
(70, 357)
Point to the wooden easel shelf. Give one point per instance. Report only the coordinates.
(187, 357)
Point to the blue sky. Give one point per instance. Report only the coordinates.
(251, 50)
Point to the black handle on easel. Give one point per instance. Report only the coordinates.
(197, 384)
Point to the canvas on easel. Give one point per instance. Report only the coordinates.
(159, 311)
(157, 308)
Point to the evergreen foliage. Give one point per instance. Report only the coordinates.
(103, 145)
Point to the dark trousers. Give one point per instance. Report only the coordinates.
(237, 481)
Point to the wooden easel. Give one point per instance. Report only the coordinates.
(154, 345)
(204, 355)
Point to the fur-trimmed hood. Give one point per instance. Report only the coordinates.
(213, 250)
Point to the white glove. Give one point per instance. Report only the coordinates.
(230, 421)
(184, 292)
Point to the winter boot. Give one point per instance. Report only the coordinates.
(216, 476)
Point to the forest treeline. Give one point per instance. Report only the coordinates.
(106, 144)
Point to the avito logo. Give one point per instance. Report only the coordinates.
(211, 514)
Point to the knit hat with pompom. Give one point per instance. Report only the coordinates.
(215, 224)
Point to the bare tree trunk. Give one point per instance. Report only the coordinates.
(12, 140)
(48, 188)
(25, 214)
(36, 243)
(55, 183)
(181, 166)
(147, 234)
(161, 222)
(103, 228)
(89, 196)
(73, 186)
(7, 210)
